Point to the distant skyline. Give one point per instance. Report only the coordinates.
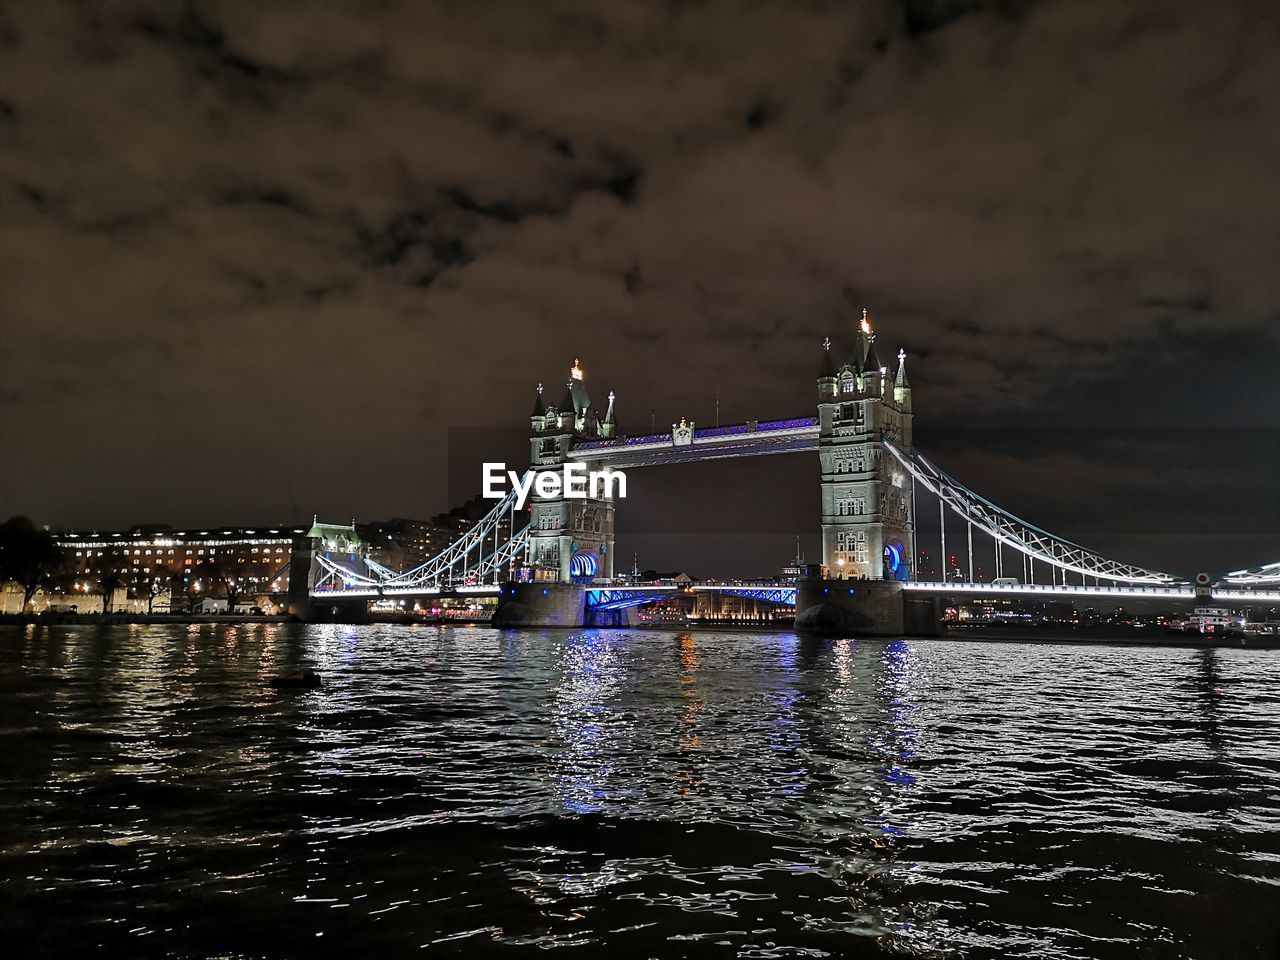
(265, 255)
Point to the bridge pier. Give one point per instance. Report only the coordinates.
(544, 604)
(864, 608)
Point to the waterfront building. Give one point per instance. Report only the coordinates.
(250, 563)
(157, 568)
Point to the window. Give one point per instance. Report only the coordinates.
(851, 546)
(851, 506)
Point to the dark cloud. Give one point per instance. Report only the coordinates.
(248, 245)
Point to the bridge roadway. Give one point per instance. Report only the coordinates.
(619, 596)
(372, 593)
(1114, 591)
(754, 438)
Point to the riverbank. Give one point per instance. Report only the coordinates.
(84, 619)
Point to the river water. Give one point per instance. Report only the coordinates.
(473, 792)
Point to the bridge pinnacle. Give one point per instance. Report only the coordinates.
(608, 425)
(576, 370)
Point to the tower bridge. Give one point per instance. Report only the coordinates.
(553, 563)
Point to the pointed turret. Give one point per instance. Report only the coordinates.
(565, 409)
(826, 373)
(828, 368)
(862, 344)
(608, 425)
(538, 418)
(901, 388)
(579, 401)
(871, 361)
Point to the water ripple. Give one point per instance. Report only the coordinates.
(471, 791)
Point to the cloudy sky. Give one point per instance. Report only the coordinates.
(257, 254)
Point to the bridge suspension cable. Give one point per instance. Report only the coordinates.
(478, 556)
(1005, 529)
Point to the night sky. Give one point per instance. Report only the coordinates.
(257, 254)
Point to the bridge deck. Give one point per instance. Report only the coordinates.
(1172, 592)
(737, 440)
(470, 590)
(784, 593)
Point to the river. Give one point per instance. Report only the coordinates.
(467, 791)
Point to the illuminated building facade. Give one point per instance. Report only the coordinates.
(867, 522)
(570, 539)
(254, 561)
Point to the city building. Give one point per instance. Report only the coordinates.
(171, 568)
(156, 568)
(400, 544)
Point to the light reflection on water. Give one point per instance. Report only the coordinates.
(647, 793)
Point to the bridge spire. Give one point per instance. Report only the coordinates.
(566, 406)
(863, 357)
(608, 426)
(538, 409)
(828, 369)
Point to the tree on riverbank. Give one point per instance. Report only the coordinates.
(223, 575)
(109, 582)
(157, 585)
(112, 577)
(28, 555)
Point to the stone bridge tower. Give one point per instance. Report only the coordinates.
(570, 539)
(868, 530)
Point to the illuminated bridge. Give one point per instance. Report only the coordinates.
(896, 528)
